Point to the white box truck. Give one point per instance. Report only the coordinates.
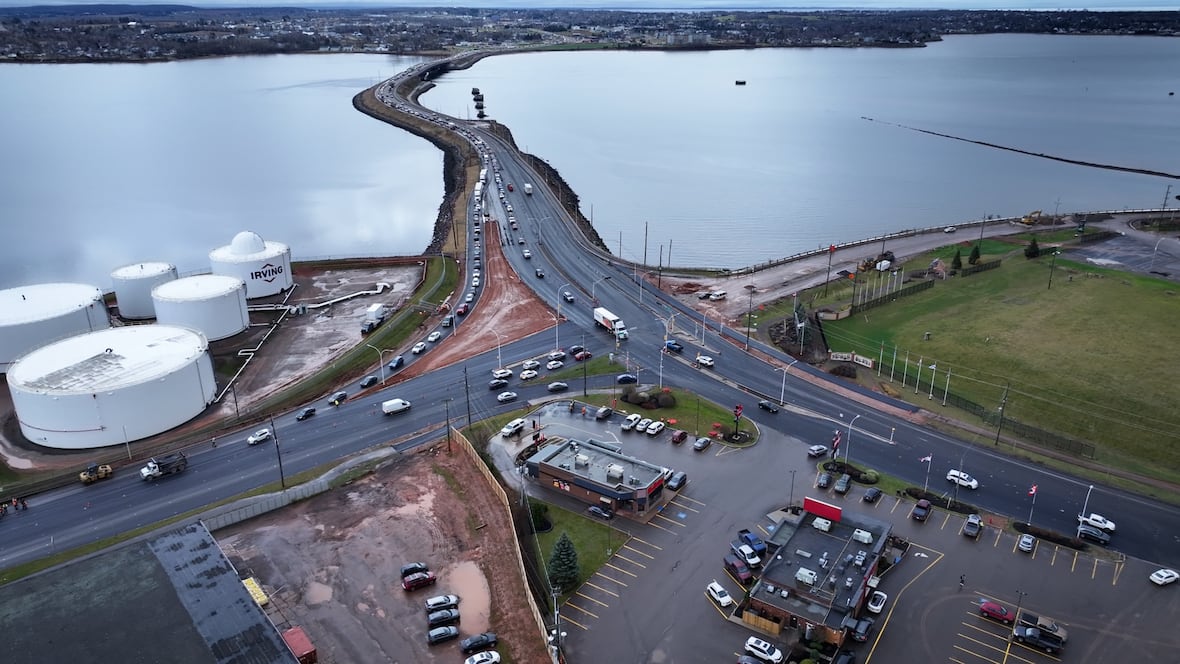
(528, 189)
(395, 406)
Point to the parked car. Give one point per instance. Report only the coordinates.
(442, 617)
(921, 510)
(442, 634)
(600, 512)
(877, 601)
(1026, 543)
(478, 642)
(485, 657)
(768, 406)
(1163, 577)
(701, 444)
(824, 480)
(735, 566)
(414, 568)
(655, 428)
(962, 479)
(843, 484)
(679, 479)
(719, 594)
(418, 580)
(817, 450)
(763, 650)
(871, 495)
(440, 602)
(1093, 534)
(305, 413)
(973, 526)
(497, 383)
(996, 612)
(505, 397)
(626, 379)
(557, 386)
(260, 436)
(630, 421)
(679, 436)
(369, 381)
(863, 627)
(418, 348)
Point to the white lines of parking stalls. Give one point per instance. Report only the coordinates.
(615, 575)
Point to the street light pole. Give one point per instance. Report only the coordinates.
(499, 360)
(557, 321)
(782, 395)
(594, 285)
(848, 448)
(1086, 504)
(791, 502)
(1052, 267)
(275, 433)
(380, 361)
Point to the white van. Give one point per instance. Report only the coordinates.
(395, 406)
(512, 428)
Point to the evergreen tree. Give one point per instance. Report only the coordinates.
(957, 261)
(1032, 250)
(974, 257)
(563, 564)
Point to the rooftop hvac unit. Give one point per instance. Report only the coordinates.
(581, 460)
(634, 481)
(614, 472)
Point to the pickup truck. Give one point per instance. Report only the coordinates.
(1035, 637)
(1047, 625)
(753, 541)
(1098, 521)
(745, 552)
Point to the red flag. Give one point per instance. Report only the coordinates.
(1032, 490)
(831, 248)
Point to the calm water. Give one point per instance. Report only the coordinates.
(105, 165)
(109, 164)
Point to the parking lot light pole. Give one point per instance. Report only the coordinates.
(848, 447)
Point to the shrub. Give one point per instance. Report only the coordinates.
(869, 477)
(844, 370)
(1032, 250)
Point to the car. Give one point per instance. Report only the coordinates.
(305, 413)
(557, 386)
(396, 363)
(369, 326)
(260, 436)
(1163, 577)
(462, 309)
(443, 617)
(501, 373)
(996, 612)
(434, 336)
(418, 580)
(817, 450)
(600, 512)
(554, 365)
(530, 364)
(877, 601)
(497, 383)
(746, 659)
(863, 627)
(528, 374)
(567, 296)
(643, 424)
(701, 444)
(442, 634)
(679, 436)
(655, 428)
(475, 282)
(872, 494)
(630, 421)
(478, 642)
(485, 657)
(949, 229)
(735, 566)
(505, 397)
(973, 526)
(414, 568)
(540, 273)
(604, 413)
(556, 355)
(824, 480)
(845, 657)
(768, 406)
(1093, 534)
(520, 240)
(369, 381)
(575, 349)
(1026, 543)
(476, 273)
(469, 297)
(678, 480)
(1097, 521)
(418, 348)
(583, 355)
(673, 346)
(962, 479)
(510, 187)
(527, 254)
(763, 650)
(921, 510)
(843, 484)
(440, 602)
(705, 360)
(338, 398)
(625, 379)
(719, 593)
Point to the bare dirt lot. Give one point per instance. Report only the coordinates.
(332, 563)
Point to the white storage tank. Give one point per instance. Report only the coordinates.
(32, 316)
(213, 304)
(133, 287)
(111, 387)
(264, 266)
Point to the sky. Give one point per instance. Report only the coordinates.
(666, 4)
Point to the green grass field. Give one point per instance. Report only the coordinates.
(1092, 358)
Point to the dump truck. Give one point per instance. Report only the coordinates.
(95, 472)
(611, 322)
(169, 465)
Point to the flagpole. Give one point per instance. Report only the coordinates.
(929, 462)
(1030, 509)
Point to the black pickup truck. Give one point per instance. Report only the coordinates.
(1035, 637)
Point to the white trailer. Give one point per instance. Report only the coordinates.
(611, 322)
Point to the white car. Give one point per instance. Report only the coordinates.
(949, 229)
(527, 254)
(486, 657)
(817, 450)
(418, 347)
(530, 364)
(501, 373)
(469, 297)
(721, 595)
(962, 479)
(630, 422)
(1098, 521)
(1026, 543)
(556, 355)
(643, 424)
(655, 428)
(505, 397)
(1162, 577)
(475, 282)
(763, 650)
(528, 374)
(554, 364)
(877, 601)
(260, 436)
(434, 336)
(704, 360)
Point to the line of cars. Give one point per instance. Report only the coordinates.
(442, 618)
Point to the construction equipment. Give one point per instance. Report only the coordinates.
(95, 472)
(1031, 218)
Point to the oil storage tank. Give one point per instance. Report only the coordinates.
(264, 266)
(213, 304)
(112, 386)
(32, 316)
(133, 287)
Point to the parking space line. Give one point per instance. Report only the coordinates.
(897, 502)
(1074, 565)
(641, 541)
(975, 656)
(715, 605)
(999, 538)
(1013, 645)
(620, 569)
(566, 619)
(609, 592)
(656, 525)
(672, 521)
(682, 497)
(946, 518)
(1094, 572)
(611, 579)
(584, 596)
(633, 550)
(685, 507)
(570, 605)
(1118, 571)
(764, 531)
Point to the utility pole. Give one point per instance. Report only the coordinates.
(447, 406)
(278, 453)
(1003, 403)
(467, 392)
(749, 315)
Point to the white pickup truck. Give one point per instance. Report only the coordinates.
(1098, 521)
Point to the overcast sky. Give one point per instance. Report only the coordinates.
(672, 4)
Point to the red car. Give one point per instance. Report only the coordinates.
(584, 355)
(418, 580)
(510, 186)
(996, 612)
(461, 309)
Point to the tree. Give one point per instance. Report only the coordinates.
(974, 257)
(563, 564)
(1032, 250)
(957, 261)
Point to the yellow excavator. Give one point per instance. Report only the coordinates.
(1031, 218)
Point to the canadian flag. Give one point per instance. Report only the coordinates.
(1032, 491)
(928, 457)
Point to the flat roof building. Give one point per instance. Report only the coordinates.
(598, 474)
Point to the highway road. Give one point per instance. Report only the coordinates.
(76, 515)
